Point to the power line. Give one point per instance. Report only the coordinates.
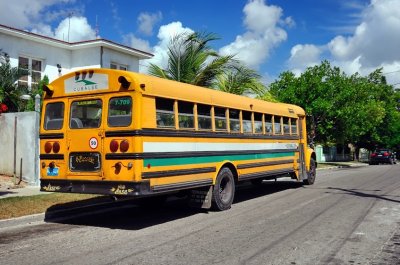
(391, 72)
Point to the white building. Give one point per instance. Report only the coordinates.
(47, 56)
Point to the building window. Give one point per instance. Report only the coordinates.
(34, 76)
(118, 66)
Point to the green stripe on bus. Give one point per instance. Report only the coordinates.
(209, 159)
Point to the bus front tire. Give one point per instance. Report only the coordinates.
(311, 174)
(223, 190)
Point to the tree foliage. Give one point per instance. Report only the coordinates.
(10, 92)
(343, 109)
(191, 60)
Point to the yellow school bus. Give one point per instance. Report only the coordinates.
(119, 133)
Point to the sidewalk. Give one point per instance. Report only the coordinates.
(9, 189)
(328, 165)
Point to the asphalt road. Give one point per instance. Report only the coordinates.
(349, 216)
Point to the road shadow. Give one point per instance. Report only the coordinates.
(363, 193)
(5, 192)
(129, 215)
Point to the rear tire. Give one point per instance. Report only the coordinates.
(223, 190)
(311, 174)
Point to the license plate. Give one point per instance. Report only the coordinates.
(84, 161)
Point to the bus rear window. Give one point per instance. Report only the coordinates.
(120, 112)
(54, 116)
(85, 114)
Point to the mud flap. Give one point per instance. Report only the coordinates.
(201, 197)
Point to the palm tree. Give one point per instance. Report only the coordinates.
(9, 91)
(240, 80)
(192, 61)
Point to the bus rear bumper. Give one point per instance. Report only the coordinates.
(97, 187)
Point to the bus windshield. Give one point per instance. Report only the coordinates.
(85, 114)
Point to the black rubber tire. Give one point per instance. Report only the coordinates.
(311, 174)
(223, 190)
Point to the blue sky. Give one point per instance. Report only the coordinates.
(270, 36)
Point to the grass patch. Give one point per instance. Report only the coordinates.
(19, 206)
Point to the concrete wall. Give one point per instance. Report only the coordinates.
(27, 145)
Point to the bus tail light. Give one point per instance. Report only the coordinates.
(48, 147)
(56, 147)
(114, 146)
(124, 146)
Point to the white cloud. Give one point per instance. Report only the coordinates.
(26, 13)
(137, 43)
(147, 21)
(303, 56)
(263, 33)
(165, 34)
(75, 29)
(373, 44)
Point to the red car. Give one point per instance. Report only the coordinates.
(382, 156)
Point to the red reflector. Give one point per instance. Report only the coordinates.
(373, 155)
(124, 146)
(56, 147)
(114, 146)
(47, 147)
(148, 166)
(386, 154)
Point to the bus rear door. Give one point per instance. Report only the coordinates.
(84, 136)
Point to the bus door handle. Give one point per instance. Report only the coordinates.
(68, 142)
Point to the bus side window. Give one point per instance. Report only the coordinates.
(204, 117)
(247, 127)
(165, 113)
(185, 115)
(234, 120)
(268, 124)
(294, 126)
(258, 127)
(286, 125)
(54, 116)
(220, 119)
(277, 125)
